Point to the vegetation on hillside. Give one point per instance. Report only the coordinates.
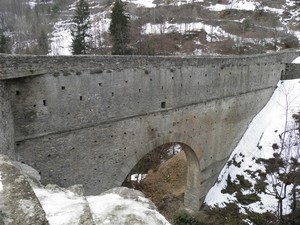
(278, 176)
(25, 29)
(28, 28)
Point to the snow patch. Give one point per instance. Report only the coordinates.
(138, 177)
(150, 4)
(198, 52)
(116, 206)
(61, 38)
(248, 5)
(32, 4)
(114, 209)
(173, 150)
(61, 207)
(214, 32)
(142, 3)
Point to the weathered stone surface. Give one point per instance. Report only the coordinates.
(33, 177)
(292, 71)
(18, 203)
(7, 138)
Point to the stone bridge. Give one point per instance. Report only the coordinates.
(89, 119)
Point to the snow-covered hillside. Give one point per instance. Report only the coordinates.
(61, 35)
(258, 142)
(61, 38)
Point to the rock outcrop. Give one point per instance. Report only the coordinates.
(18, 202)
(24, 201)
(124, 206)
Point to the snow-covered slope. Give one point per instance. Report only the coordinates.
(61, 35)
(257, 142)
(118, 206)
(61, 38)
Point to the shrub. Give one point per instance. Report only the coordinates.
(247, 199)
(290, 41)
(184, 218)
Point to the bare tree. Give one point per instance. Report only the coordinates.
(283, 168)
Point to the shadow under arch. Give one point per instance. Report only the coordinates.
(192, 195)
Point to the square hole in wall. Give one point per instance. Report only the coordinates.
(163, 105)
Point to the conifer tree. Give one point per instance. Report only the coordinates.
(42, 43)
(80, 29)
(4, 44)
(119, 29)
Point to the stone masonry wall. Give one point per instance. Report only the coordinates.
(292, 71)
(79, 98)
(6, 124)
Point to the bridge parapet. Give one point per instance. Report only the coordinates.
(16, 66)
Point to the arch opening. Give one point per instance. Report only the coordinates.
(170, 176)
(151, 163)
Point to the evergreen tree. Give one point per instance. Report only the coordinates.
(4, 48)
(42, 43)
(119, 29)
(80, 29)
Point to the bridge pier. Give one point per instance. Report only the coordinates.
(292, 71)
(192, 195)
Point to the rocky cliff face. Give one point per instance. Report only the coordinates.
(24, 201)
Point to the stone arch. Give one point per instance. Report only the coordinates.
(192, 196)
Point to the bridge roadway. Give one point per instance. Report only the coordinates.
(89, 119)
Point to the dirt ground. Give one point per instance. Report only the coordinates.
(166, 186)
